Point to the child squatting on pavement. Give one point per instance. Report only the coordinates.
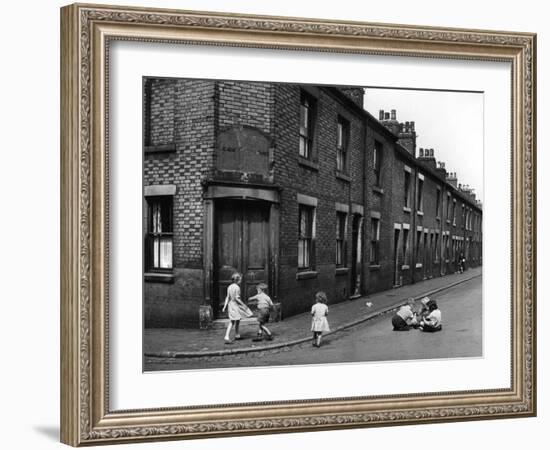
(405, 317)
(264, 305)
(319, 322)
(428, 320)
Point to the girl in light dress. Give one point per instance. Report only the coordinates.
(319, 322)
(236, 309)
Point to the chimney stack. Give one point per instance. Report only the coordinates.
(451, 179)
(356, 94)
(426, 156)
(403, 130)
(441, 170)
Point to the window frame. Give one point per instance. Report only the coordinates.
(377, 162)
(308, 238)
(342, 144)
(418, 255)
(374, 242)
(436, 247)
(420, 193)
(153, 234)
(454, 212)
(341, 239)
(407, 188)
(307, 133)
(405, 245)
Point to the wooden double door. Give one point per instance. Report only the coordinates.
(241, 245)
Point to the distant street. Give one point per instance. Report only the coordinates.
(372, 340)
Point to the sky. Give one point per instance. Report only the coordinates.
(449, 122)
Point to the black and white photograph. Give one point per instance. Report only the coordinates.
(292, 224)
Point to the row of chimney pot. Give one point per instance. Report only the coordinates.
(427, 152)
(406, 127)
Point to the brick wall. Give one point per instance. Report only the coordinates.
(379, 200)
(320, 182)
(187, 116)
(191, 124)
(159, 129)
(246, 103)
(404, 215)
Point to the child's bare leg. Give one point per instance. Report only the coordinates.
(259, 336)
(228, 330)
(264, 328)
(319, 335)
(237, 335)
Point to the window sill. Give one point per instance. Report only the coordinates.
(378, 190)
(342, 270)
(418, 266)
(448, 222)
(374, 267)
(166, 148)
(306, 274)
(158, 277)
(407, 209)
(342, 176)
(438, 218)
(405, 267)
(308, 164)
(419, 213)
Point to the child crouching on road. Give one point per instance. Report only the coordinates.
(405, 317)
(264, 305)
(319, 322)
(432, 322)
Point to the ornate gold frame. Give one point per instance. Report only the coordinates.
(85, 33)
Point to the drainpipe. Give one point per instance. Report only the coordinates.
(361, 230)
(413, 212)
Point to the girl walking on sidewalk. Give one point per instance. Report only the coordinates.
(236, 309)
(319, 322)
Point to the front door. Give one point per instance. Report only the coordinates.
(396, 277)
(356, 255)
(242, 245)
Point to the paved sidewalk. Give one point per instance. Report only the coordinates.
(179, 343)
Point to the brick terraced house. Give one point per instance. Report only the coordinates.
(296, 186)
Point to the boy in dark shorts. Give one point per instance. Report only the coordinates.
(264, 305)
